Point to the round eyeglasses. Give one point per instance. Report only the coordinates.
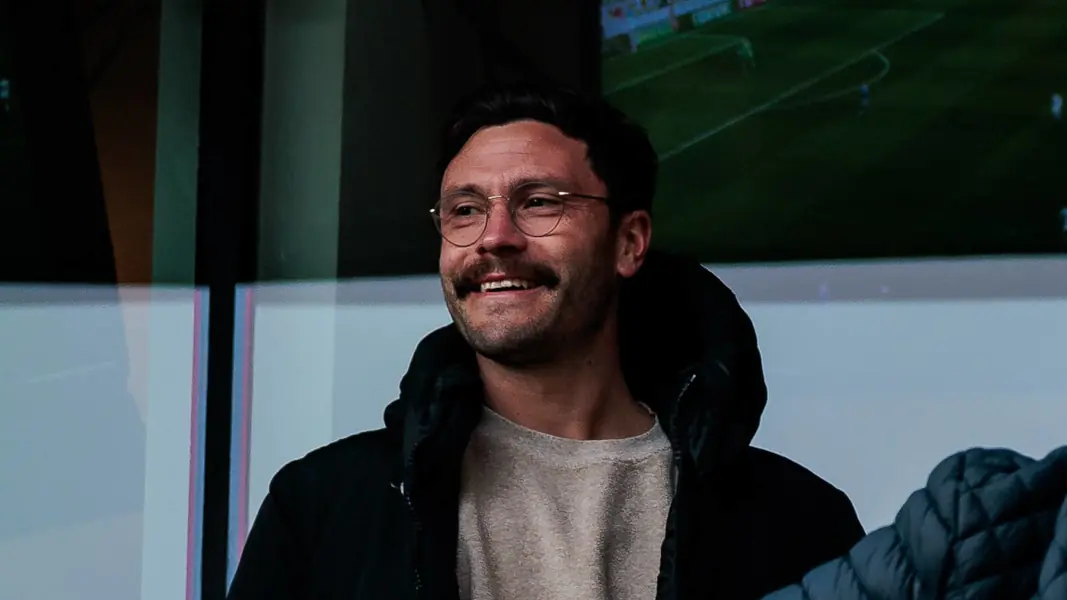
(536, 209)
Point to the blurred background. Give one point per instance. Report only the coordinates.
(216, 254)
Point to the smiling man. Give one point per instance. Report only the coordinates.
(582, 430)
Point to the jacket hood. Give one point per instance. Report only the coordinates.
(679, 325)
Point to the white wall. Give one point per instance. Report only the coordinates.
(97, 441)
(870, 394)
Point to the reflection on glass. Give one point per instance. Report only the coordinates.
(98, 395)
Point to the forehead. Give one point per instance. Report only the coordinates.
(496, 156)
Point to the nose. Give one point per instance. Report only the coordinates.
(501, 235)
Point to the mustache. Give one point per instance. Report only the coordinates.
(467, 281)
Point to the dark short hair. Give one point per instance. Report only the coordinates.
(619, 150)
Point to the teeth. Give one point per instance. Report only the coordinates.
(505, 284)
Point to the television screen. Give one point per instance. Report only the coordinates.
(828, 129)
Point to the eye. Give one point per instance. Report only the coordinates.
(542, 201)
(464, 210)
(462, 207)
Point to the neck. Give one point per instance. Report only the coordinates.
(582, 396)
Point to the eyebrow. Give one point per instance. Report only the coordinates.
(472, 188)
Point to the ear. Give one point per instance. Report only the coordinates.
(632, 240)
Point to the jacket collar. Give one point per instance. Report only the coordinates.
(681, 328)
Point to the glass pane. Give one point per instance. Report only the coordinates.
(787, 130)
(101, 372)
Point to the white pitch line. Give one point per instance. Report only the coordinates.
(796, 89)
(886, 67)
(734, 40)
(656, 45)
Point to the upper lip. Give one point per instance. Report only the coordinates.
(501, 277)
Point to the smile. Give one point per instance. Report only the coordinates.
(506, 285)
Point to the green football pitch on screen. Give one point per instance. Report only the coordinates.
(829, 129)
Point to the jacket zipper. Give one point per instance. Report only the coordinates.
(405, 491)
(676, 460)
(416, 522)
(418, 531)
(676, 452)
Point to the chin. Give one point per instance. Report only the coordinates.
(514, 346)
(516, 354)
(507, 320)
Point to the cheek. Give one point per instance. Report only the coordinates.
(556, 252)
(580, 260)
(448, 260)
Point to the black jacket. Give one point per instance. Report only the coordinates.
(989, 525)
(375, 515)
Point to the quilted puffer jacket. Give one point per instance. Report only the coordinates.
(991, 524)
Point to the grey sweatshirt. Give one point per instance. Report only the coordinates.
(548, 518)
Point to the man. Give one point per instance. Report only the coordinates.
(581, 431)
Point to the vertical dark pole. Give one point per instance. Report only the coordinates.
(227, 202)
(590, 47)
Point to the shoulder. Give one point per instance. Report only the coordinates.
(774, 472)
(321, 510)
(364, 449)
(333, 474)
(800, 502)
(979, 490)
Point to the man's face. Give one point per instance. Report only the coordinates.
(571, 274)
